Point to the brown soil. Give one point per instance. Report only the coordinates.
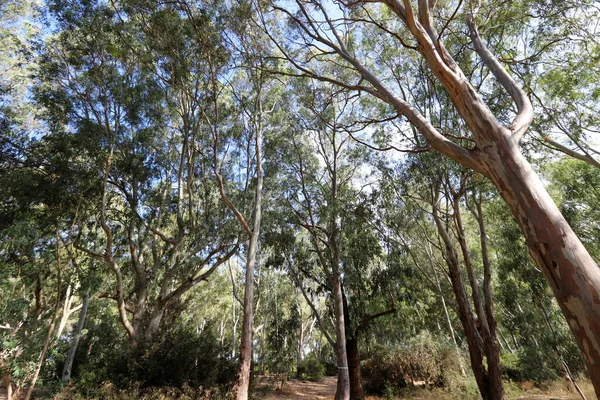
(305, 390)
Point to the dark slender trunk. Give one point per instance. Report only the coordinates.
(492, 348)
(356, 388)
(486, 321)
(474, 341)
(38, 295)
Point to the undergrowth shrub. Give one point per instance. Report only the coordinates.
(310, 369)
(110, 391)
(176, 358)
(421, 361)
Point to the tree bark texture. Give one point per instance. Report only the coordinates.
(570, 270)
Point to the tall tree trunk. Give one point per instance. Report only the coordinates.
(572, 273)
(448, 320)
(485, 316)
(300, 347)
(245, 363)
(343, 382)
(356, 388)
(465, 315)
(492, 348)
(234, 322)
(66, 373)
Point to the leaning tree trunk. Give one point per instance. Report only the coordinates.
(572, 273)
(474, 341)
(66, 373)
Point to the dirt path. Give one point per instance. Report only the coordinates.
(305, 390)
(325, 390)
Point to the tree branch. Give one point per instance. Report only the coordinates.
(524, 116)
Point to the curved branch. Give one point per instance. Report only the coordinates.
(546, 141)
(524, 116)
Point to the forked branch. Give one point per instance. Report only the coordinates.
(524, 116)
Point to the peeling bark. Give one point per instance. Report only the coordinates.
(570, 270)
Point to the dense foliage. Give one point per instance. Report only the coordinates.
(134, 140)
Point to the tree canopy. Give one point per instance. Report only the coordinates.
(396, 193)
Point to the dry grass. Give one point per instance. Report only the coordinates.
(558, 390)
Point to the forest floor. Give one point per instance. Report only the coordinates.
(294, 389)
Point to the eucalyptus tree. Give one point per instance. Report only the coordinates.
(443, 197)
(319, 211)
(333, 254)
(479, 326)
(374, 41)
(126, 95)
(257, 101)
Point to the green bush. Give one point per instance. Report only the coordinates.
(537, 367)
(181, 357)
(423, 360)
(331, 368)
(310, 369)
(176, 358)
(510, 365)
